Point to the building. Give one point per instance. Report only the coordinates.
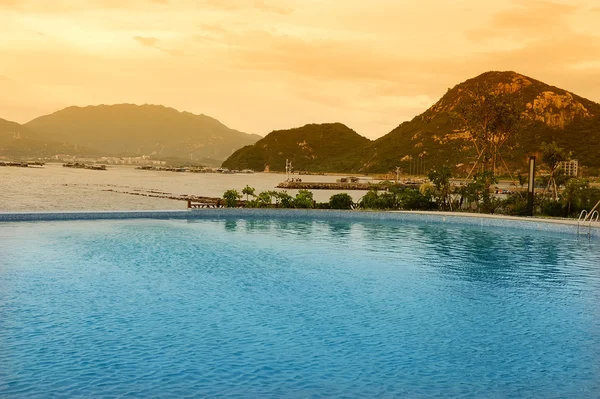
(570, 168)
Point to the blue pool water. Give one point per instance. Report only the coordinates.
(296, 308)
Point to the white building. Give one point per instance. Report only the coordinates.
(570, 168)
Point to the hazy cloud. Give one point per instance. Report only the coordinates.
(259, 65)
(154, 43)
(527, 20)
(263, 6)
(146, 41)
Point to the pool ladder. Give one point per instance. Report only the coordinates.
(588, 220)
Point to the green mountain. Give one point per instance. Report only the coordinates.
(17, 141)
(128, 129)
(434, 138)
(313, 147)
(549, 114)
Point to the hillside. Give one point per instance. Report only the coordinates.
(314, 148)
(549, 114)
(434, 138)
(128, 129)
(17, 141)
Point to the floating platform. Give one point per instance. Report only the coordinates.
(77, 165)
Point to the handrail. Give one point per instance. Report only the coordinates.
(593, 221)
(589, 219)
(583, 214)
(591, 212)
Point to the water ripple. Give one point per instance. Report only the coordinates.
(267, 308)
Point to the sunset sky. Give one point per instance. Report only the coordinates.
(260, 65)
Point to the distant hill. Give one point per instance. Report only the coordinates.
(128, 129)
(18, 141)
(313, 147)
(550, 114)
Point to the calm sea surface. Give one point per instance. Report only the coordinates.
(55, 188)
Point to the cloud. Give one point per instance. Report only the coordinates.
(146, 41)
(241, 5)
(527, 20)
(341, 60)
(263, 6)
(153, 42)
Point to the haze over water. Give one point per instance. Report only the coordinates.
(54, 188)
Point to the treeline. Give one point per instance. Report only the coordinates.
(562, 196)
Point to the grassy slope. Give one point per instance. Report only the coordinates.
(314, 148)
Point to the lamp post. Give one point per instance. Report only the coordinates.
(531, 186)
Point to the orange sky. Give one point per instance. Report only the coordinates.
(259, 65)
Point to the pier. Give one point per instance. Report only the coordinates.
(298, 185)
(325, 186)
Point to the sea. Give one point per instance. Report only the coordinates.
(56, 188)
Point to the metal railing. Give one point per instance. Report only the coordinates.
(588, 220)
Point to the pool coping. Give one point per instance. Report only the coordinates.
(563, 226)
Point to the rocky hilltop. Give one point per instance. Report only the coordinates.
(314, 147)
(128, 129)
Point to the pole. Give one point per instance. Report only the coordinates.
(531, 186)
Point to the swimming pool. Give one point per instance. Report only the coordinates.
(297, 307)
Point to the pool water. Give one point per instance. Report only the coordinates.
(295, 308)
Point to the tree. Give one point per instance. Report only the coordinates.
(231, 198)
(552, 156)
(341, 201)
(441, 180)
(247, 191)
(283, 199)
(574, 189)
(490, 119)
(523, 179)
(482, 181)
(304, 199)
(264, 199)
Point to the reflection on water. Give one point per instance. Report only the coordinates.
(295, 308)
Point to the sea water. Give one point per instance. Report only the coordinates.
(55, 188)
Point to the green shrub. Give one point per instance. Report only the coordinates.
(553, 208)
(283, 199)
(341, 201)
(515, 204)
(304, 199)
(231, 198)
(413, 200)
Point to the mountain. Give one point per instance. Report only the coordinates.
(313, 147)
(18, 141)
(128, 129)
(549, 114)
(434, 138)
